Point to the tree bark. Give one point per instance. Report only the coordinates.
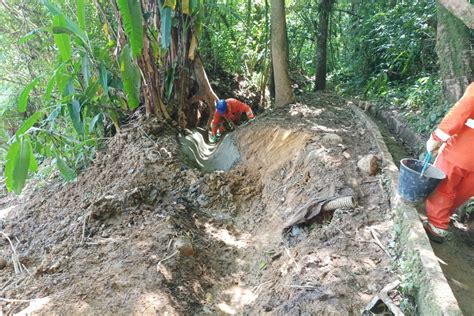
(462, 9)
(284, 93)
(325, 7)
(454, 54)
(205, 93)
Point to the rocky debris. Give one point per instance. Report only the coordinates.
(369, 165)
(184, 246)
(3, 263)
(331, 140)
(107, 206)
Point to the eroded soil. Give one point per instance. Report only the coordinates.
(141, 232)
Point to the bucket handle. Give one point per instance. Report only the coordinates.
(425, 163)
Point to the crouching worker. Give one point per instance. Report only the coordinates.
(456, 159)
(228, 111)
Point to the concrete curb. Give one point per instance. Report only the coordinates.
(419, 264)
(412, 140)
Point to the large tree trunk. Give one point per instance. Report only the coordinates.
(205, 93)
(462, 9)
(454, 54)
(284, 93)
(325, 7)
(181, 60)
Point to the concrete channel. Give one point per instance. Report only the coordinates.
(420, 264)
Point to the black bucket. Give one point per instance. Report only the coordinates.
(412, 186)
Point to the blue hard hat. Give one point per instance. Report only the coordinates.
(221, 106)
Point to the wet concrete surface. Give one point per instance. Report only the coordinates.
(197, 149)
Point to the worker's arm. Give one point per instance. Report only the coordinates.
(215, 121)
(245, 108)
(462, 113)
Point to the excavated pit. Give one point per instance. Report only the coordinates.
(169, 238)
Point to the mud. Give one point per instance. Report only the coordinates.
(142, 232)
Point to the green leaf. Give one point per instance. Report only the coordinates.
(93, 122)
(115, 119)
(81, 14)
(166, 27)
(131, 12)
(28, 36)
(67, 31)
(22, 163)
(74, 108)
(69, 23)
(86, 72)
(62, 40)
(104, 78)
(28, 123)
(67, 172)
(10, 163)
(131, 78)
(92, 90)
(52, 116)
(33, 165)
(49, 88)
(23, 100)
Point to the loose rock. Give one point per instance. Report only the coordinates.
(331, 139)
(369, 165)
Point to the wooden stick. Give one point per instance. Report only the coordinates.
(15, 260)
(377, 241)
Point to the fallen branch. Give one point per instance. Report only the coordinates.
(12, 300)
(16, 261)
(167, 258)
(377, 241)
(295, 286)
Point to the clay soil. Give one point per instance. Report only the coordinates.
(141, 232)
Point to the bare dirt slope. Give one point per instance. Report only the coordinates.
(140, 232)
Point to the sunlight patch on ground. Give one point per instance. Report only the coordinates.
(35, 306)
(226, 309)
(154, 304)
(225, 236)
(238, 298)
(4, 212)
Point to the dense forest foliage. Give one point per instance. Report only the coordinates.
(72, 71)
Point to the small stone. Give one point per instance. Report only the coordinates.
(346, 155)
(369, 165)
(331, 139)
(203, 200)
(184, 247)
(3, 263)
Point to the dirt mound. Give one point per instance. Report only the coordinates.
(141, 232)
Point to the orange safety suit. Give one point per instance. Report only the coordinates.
(235, 108)
(456, 159)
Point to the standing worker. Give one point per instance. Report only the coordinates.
(229, 110)
(456, 159)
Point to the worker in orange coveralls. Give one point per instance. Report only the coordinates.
(229, 110)
(456, 159)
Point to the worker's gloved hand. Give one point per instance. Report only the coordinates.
(251, 120)
(213, 139)
(433, 145)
